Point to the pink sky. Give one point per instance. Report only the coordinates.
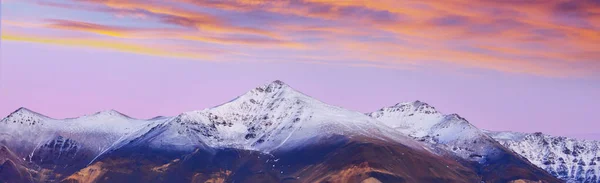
(503, 66)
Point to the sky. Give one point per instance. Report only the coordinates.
(513, 65)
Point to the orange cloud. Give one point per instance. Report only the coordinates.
(124, 32)
(549, 38)
(184, 17)
(103, 29)
(106, 44)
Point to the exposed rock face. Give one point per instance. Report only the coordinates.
(59, 151)
(423, 122)
(566, 158)
(11, 169)
(457, 136)
(337, 159)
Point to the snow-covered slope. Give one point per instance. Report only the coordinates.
(277, 117)
(269, 117)
(451, 132)
(273, 116)
(40, 138)
(566, 158)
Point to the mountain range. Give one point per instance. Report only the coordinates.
(274, 133)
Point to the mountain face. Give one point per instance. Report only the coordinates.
(333, 159)
(272, 133)
(11, 169)
(451, 132)
(65, 145)
(269, 117)
(456, 135)
(566, 158)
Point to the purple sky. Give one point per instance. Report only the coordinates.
(494, 67)
(67, 82)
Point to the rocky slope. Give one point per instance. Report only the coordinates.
(421, 121)
(334, 159)
(12, 167)
(569, 159)
(566, 158)
(66, 145)
(454, 134)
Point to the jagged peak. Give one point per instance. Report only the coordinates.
(274, 86)
(415, 104)
(505, 135)
(22, 112)
(108, 112)
(457, 119)
(541, 135)
(538, 134)
(192, 114)
(455, 116)
(276, 90)
(411, 107)
(278, 82)
(264, 96)
(23, 109)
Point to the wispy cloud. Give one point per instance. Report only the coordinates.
(151, 33)
(164, 50)
(548, 38)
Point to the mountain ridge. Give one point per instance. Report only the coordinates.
(570, 159)
(272, 118)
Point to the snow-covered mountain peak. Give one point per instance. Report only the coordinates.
(107, 114)
(505, 135)
(416, 118)
(110, 112)
(22, 111)
(24, 116)
(248, 120)
(456, 117)
(277, 83)
(415, 103)
(569, 159)
(412, 118)
(408, 115)
(414, 107)
(275, 98)
(452, 132)
(94, 134)
(269, 117)
(27, 115)
(275, 86)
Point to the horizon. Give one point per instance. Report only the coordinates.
(589, 136)
(504, 66)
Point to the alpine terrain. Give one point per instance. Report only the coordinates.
(274, 133)
(566, 158)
